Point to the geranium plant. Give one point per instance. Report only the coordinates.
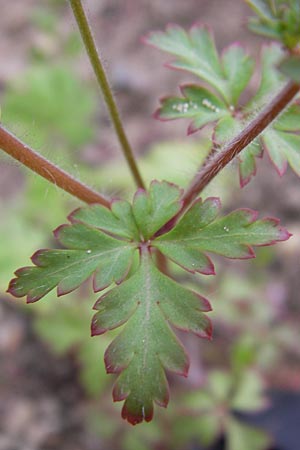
(125, 247)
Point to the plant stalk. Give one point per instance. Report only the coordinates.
(89, 42)
(220, 160)
(46, 169)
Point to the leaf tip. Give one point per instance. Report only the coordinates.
(192, 129)
(12, 288)
(198, 25)
(157, 115)
(96, 328)
(209, 330)
(57, 232)
(72, 216)
(134, 418)
(35, 258)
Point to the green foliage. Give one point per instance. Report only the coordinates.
(121, 248)
(196, 53)
(232, 236)
(102, 242)
(222, 109)
(277, 19)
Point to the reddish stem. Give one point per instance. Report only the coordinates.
(46, 169)
(220, 160)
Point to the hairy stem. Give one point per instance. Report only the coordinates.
(29, 158)
(95, 60)
(220, 160)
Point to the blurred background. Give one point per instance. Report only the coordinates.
(243, 388)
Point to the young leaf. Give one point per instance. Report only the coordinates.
(277, 19)
(90, 251)
(147, 302)
(203, 106)
(195, 52)
(280, 139)
(232, 236)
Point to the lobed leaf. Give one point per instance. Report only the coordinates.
(89, 252)
(232, 236)
(195, 52)
(238, 68)
(102, 243)
(198, 104)
(234, 68)
(149, 302)
(283, 148)
(118, 220)
(271, 79)
(281, 139)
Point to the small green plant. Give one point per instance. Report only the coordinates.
(126, 246)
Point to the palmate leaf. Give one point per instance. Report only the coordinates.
(229, 75)
(195, 52)
(102, 243)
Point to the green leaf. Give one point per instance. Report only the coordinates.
(154, 208)
(89, 252)
(262, 8)
(146, 347)
(232, 236)
(283, 149)
(291, 67)
(195, 52)
(238, 69)
(234, 68)
(277, 19)
(118, 220)
(282, 146)
(147, 303)
(271, 78)
(197, 103)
